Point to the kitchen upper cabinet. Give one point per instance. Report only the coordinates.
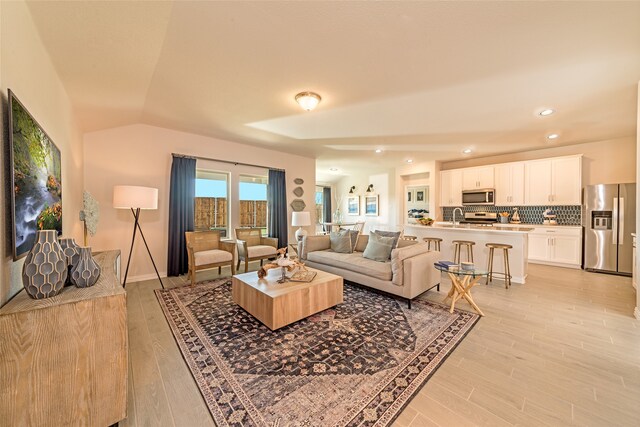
(509, 184)
(566, 182)
(451, 188)
(555, 181)
(480, 177)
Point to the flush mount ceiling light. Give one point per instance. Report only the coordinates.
(546, 112)
(466, 151)
(308, 100)
(409, 160)
(379, 150)
(552, 136)
(333, 169)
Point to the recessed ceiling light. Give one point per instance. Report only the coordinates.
(379, 150)
(333, 169)
(409, 160)
(552, 136)
(467, 151)
(546, 112)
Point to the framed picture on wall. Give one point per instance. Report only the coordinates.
(371, 205)
(419, 195)
(409, 196)
(353, 205)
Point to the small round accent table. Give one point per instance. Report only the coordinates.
(461, 283)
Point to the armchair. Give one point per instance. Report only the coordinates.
(252, 246)
(205, 251)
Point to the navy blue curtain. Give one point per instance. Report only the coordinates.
(277, 205)
(326, 204)
(182, 197)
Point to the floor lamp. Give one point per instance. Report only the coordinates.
(136, 198)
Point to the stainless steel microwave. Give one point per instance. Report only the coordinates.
(485, 196)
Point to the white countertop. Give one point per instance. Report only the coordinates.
(473, 228)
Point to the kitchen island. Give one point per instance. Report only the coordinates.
(516, 236)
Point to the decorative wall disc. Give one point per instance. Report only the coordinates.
(298, 181)
(298, 191)
(298, 205)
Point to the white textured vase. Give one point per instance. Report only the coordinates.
(45, 267)
(86, 272)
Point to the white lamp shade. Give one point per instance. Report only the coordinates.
(131, 196)
(300, 219)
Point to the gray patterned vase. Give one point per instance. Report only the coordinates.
(45, 267)
(70, 248)
(86, 272)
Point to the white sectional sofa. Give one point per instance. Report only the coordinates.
(409, 273)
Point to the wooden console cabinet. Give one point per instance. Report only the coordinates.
(63, 360)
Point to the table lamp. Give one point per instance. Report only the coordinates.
(300, 219)
(136, 198)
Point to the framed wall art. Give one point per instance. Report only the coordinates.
(353, 205)
(36, 199)
(371, 205)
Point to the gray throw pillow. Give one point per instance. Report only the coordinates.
(378, 248)
(340, 242)
(394, 234)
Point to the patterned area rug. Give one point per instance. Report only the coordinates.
(357, 364)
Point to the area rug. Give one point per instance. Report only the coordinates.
(356, 364)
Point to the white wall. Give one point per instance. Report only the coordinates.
(637, 260)
(141, 155)
(26, 69)
(384, 186)
(419, 173)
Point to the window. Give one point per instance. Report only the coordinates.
(211, 208)
(253, 202)
(319, 204)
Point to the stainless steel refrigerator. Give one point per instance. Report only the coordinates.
(609, 220)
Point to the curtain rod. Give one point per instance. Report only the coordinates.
(226, 161)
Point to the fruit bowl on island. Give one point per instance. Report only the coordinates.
(425, 221)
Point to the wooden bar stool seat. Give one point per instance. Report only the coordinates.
(457, 244)
(435, 240)
(507, 271)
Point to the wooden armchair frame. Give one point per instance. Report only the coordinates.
(198, 241)
(247, 237)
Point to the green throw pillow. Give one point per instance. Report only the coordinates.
(378, 248)
(340, 242)
(394, 234)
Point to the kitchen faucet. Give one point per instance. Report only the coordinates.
(454, 216)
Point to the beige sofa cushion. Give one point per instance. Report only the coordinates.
(212, 256)
(352, 262)
(399, 255)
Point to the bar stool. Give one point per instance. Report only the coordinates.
(507, 271)
(457, 244)
(435, 240)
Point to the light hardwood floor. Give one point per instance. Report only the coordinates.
(564, 349)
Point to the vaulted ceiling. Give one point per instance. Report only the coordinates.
(417, 79)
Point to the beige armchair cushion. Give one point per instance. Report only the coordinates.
(211, 257)
(261, 251)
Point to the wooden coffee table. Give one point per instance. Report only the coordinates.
(280, 304)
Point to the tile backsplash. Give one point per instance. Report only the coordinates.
(566, 215)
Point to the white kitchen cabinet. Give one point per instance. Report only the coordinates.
(566, 181)
(451, 188)
(509, 184)
(475, 178)
(556, 181)
(556, 246)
